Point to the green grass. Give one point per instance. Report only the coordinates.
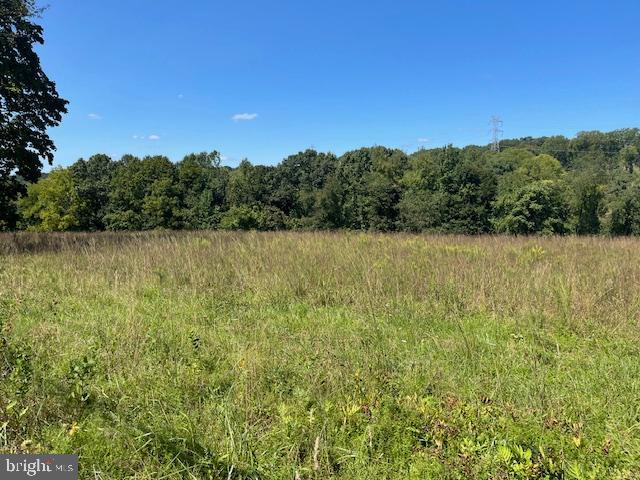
(302, 355)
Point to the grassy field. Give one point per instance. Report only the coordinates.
(322, 355)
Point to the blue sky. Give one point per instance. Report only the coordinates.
(265, 79)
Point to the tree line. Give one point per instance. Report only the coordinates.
(589, 184)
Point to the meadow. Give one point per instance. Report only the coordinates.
(291, 355)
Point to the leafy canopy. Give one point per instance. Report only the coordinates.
(29, 104)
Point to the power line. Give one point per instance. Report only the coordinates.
(496, 133)
(576, 152)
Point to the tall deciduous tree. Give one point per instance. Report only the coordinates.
(143, 194)
(297, 179)
(629, 158)
(29, 104)
(533, 198)
(93, 181)
(587, 192)
(201, 186)
(623, 209)
(447, 190)
(246, 184)
(52, 204)
(371, 184)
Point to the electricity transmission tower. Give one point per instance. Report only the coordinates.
(496, 133)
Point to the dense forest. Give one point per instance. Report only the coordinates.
(589, 184)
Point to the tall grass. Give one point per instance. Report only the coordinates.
(322, 355)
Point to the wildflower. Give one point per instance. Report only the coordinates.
(73, 429)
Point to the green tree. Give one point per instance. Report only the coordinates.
(29, 105)
(558, 147)
(587, 204)
(159, 206)
(533, 198)
(538, 207)
(420, 206)
(371, 186)
(142, 195)
(52, 204)
(629, 158)
(201, 186)
(297, 181)
(92, 178)
(247, 184)
(448, 190)
(623, 206)
(329, 206)
(532, 167)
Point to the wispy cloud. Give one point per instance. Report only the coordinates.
(94, 116)
(423, 140)
(180, 96)
(145, 137)
(239, 117)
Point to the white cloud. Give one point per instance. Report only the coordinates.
(94, 116)
(180, 96)
(423, 140)
(223, 158)
(145, 137)
(244, 116)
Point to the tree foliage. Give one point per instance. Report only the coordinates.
(448, 190)
(29, 104)
(52, 204)
(92, 179)
(538, 207)
(586, 185)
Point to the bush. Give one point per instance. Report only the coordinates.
(245, 217)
